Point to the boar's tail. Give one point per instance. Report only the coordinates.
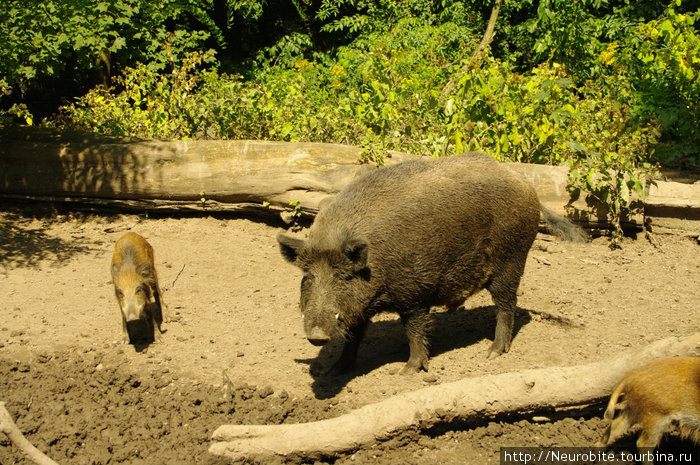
(610, 410)
(562, 227)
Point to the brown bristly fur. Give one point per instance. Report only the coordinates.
(656, 396)
(136, 281)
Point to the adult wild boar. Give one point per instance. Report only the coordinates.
(413, 235)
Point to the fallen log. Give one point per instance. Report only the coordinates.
(8, 427)
(482, 397)
(255, 177)
(175, 175)
(262, 177)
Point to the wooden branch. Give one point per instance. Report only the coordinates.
(8, 427)
(488, 35)
(482, 397)
(473, 59)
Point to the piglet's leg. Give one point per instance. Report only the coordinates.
(157, 333)
(125, 331)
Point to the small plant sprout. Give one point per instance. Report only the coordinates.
(296, 205)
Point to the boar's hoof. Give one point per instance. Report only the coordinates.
(493, 353)
(414, 366)
(318, 337)
(498, 349)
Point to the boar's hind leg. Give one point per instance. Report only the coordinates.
(417, 324)
(504, 293)
(347, 357)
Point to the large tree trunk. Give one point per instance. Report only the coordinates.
(207, 175)
(483, 397)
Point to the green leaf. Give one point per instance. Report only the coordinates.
(449, 107)
(624, 193)
(118, 43)
(666, 26)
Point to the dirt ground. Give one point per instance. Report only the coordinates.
(84, 398)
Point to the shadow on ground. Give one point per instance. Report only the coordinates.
(22, 245)
(385, 342)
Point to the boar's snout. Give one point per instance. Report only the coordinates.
(132, 307)
(317, 336)
(131, 314)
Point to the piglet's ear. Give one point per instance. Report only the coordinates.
(115, 270)
(290, 247)
(356, 251)
(145, 270)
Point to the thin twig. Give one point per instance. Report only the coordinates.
(178, 275)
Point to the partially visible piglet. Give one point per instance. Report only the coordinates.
(657, 395)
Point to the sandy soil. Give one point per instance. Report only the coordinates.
(83, 397)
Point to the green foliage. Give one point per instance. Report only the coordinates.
(70, 45)
(288, 50)
(353, 16)
(609, 154)
(604, 86)
(18, 111)
(296, 209)
(383, 99)
(151, 104)
(513, 117)
(566, 31)
(662, 59)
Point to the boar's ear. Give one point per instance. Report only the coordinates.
(290, 247)
(144, 270)
(356, 251)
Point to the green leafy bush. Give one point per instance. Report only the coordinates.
(663, 61)
(151, 104)
(609, 152)
(71, 41)
(511, 116)
(603, 86)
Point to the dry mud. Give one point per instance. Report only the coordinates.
(235, 351)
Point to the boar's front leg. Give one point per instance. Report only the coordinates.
(504, 294)
(349, 354)
(157, 333)
(417, 323)
(125, 331)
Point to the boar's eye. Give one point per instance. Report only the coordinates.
(120, 294)
(306, 280)
(141, 290)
